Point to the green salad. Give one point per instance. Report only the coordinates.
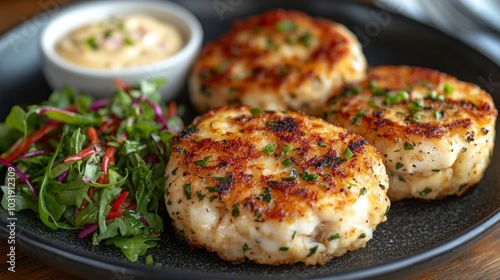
(93, 166)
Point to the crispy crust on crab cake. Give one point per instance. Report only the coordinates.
(274, 187)
(436, 133)
(277, 60)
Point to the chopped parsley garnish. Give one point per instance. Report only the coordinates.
(425, 192)
(399, 165)
(203, 162)
(379, 91)
(408, 146)
(187, 190)
(266, 196)
(255, 111)
(448, 89)
(427, 84)
(438, 115)
(284, 249)
(305, 40)
(387, 210)
(322, 144)
(211, 198)
(358, 116)
(286, 26)
(200, 196)
(416, 105)
(351, 91)
(245, 248)
(435, 170)
(348, 153)
(108, 33)
(372, 84)
(309, 176)
(333, 237)
(396, 98)
(222, 179)
(221, 67)
(269, 149)
(363, 235)
(236, 210)
(293, 234)
(362, 192)
(212, 189)
(288, 179)
(312, 251)
(287, 162)
(462, 186)
(128, 42)
(91, 43)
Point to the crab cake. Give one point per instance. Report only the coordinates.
(275, 61)
(274, 187)
(436, 134)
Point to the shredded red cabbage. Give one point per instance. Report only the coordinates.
(98, 104)
(158, 112)
(63, 175)
(35, 153)
(21, 175)
(87, 230)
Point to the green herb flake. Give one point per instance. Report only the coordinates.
(408, 146)
(387, 210)
(333, 237)
(245, 248)
(187, 190)
(309, 176)
(448, 89)
(435, 170)
(91, 43)
(438, 115)
(203, 162)
(464, 149)
(236, 210)
(399, 165)
(322, 144)
(286, 26)
(462, 186)
(128, 42)
(363, 235)
(266, 196)
(425, 192)
(287, 162)
(283, 249)
(312, 251)
(269, 149)
(358, 116)
(305, 40)
(213, 188)
(348, 153)
(108, 33)
(174, 171)
(288, 179)
(255, 111)
(372, 84)
(211, 198)
(427, 84)
(200, 196)
(221, 179)
(293, 234)
(362, 192)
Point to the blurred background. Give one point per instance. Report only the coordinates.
(475, 22)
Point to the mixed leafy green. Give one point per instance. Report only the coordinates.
(93, 166)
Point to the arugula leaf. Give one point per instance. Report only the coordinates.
(133, 247)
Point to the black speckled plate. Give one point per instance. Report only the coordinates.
(418, 235)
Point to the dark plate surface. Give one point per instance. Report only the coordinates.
(418, 235)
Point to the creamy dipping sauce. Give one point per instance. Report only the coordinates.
(120, 43)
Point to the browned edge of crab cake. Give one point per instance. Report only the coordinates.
(274, 187)
(276, 60)
(436, 133)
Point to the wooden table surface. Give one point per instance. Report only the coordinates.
(482, 261)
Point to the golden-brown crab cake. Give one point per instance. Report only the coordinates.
(274, 187)
(277, 60)
(436, 134)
